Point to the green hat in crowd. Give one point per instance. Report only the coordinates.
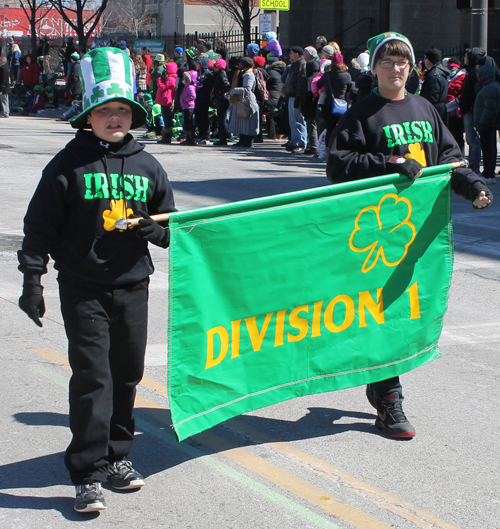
(38, 88)
(191, 53)
(375, 43)
(106, 75)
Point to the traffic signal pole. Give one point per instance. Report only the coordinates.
(479, 24)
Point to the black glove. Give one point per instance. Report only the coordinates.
(31, 300)
(153, 232)
(409, 167)
(475, 191)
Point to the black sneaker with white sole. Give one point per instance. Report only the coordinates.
(122, 476)
(89, 498)
(390, 415)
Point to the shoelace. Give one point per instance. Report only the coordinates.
(89, 487)
(396, 410)
(121, 467)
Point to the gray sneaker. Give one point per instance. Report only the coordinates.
(122, 476)
(89, 498)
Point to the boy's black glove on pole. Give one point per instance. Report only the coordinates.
(31, 300)
(405, 166)
(153, 232)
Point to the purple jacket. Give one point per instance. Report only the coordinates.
(188, 96)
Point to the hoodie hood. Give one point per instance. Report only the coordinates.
(486, 74)
(203, 62)
(474, 55)
(193, 76)
(279, 66)
(171, 68)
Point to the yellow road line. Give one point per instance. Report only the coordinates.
(312, 494)
(282, 478)
(389, 502)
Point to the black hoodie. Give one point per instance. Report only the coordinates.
(469, 86)
(375, 129)
(84, 189)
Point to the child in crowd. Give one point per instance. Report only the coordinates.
(165, 97)
(188, 98)
(101, 176)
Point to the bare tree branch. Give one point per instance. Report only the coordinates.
(83, 27)
(242, 11)
(35, 10)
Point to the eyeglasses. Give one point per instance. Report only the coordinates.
(388, 63)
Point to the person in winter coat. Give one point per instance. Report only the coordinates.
(242, 93)
(367, 143)
(468, 97)
(165, 97)
(364, 80)
(156, 72)
(219, 100)
(435, 85)
(271, 106)
(141, 73)
(148, 61)
(74, 84)
(293, 88)
(309, 101)
(102, 175)
(338, 83)
(4, 87)
(30, 72)
(486, 112)
(273, 46)
(70, 49)
(454, 118)
(260, 73)
(221, 49)
(15, 63)
(187, 103)
(321, 95)
(203, 91)
(38, 101)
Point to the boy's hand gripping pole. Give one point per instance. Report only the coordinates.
(125, 224)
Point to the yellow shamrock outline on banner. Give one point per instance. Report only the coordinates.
(117, 210)
(372, 247)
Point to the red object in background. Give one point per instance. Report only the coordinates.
(14, 22)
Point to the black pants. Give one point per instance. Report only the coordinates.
(202, 120)
(222, 121)
(107, 332)
(390, 385)
(488, 138)
(187, 118)
(245, 140)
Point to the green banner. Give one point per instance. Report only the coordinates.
(305, 292)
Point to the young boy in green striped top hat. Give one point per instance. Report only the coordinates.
(101, 176)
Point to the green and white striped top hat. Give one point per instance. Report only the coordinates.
(107, 75)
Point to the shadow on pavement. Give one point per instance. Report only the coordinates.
(234, 189)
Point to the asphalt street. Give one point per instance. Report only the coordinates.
(312, 462)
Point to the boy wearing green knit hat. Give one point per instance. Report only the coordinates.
(101, 176)
(391, 131)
